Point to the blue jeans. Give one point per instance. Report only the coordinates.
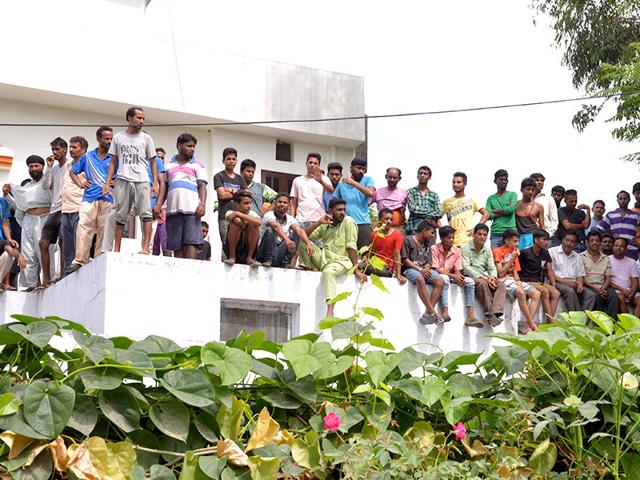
(496, 241)
(412, 275)
(469, 292)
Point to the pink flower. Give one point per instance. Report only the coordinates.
(331, 422)
(460, 430)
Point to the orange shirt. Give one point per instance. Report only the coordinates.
(503, 254)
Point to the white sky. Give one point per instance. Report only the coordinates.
(425, 55)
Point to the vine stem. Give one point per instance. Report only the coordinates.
(198, 452)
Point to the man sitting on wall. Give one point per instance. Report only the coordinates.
(339, 235)
(569, 271)
(598, 292)
(281, 236)
(416, 261)
(624, 277)
(243, 231)
(477, 263)
(386, 244)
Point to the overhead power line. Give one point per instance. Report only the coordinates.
(338, 119)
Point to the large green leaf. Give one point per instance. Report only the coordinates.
(380, 365)
(39, 333)
(410, 359)
(85, 415)
(189, 385)
(306, 357)
(47, 407)
(338, 367)
(230, 419)
(172, 418)
(121, 408)
(433, 390)
(454, 359)
(154, 344)
(282, 400)
(630, 462)
(102, 378)
(132, 361)
(264, 468)
(212, 466)
(543, 457)
(206, 426)
(9, 337)
(190, 468)
(232, 364)
(17, 424)
(96, 348)
(604, 321)
(347, 329)
(160, 472)
(9, 404)
(512, 358)
(455, 410)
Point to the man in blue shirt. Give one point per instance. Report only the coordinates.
(90, 173)
(357, 190)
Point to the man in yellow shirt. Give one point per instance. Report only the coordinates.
(461, 209)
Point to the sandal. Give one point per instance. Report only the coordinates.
(446, 317)
(428, 319)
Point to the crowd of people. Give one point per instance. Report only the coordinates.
(537, 250)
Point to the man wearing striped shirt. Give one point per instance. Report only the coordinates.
(623, 223)
(186, 196)
(422, 202)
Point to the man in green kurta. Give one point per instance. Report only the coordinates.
(338, 234)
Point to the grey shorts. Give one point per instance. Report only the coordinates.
(132, 194)
(183, 229)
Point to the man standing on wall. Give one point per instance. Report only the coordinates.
(95, 206)
(186, 196)
(501, 207)
(573, 217)
(460, 210)
(260, 193)
(393, 197)
(623, 222)
(307, 192)
(334, 172)
(357, 190)
(422, 202)
(548, 204)
(131, 152)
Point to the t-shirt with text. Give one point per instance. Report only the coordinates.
(460, 212)
(133, 152)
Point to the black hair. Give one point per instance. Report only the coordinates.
(636, 187)
(334, 166)
(540, 234)
(336, 201)
(560, 189)
(462, 175)
(626, 242)
(445, 231)
(314, 155)
(536, 176)
(247, 163)
(103, 129)
(573, 233)
(425, 225)
(527, 182)
(395, 168)
(80, 140)
(607, 235)
(186, 137)
(625, 192)
(424, 167)
(571, 192)
(500, 173)
(131, 112)
(229, 151)
(58, 142)
(281, 195)
(599, 201)
(160, 149)
(240, 194)
(594, 233)
(204, 224)
(507, 234)
(480, 226)
(358, 162)
(384, 211)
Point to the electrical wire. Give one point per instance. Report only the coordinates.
(337, 119)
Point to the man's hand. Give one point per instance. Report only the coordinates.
(458, 278)
(579, 289)
(200, 210)
(157, 210)
(583, 206)
(603, 293)
(316, 175)
(572, 283)
(426, 272)
(6, 189)
(310, 248)
(50, 161)
(348, 181)
(154, 190)
(22, 263)
(14, 244)
(492, 282)
(326, 219)
(105, 189)
(402, 280)
(361, 276)
(86, 184)
(291, 245)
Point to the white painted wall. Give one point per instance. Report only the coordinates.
(133, 295)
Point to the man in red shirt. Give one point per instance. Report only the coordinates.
(386, 245)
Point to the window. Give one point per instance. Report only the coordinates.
(278, 321)
(283, 151)
(279, 181)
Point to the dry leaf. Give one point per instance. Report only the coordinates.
(58, 452)
(477, 450)
(80, 462)
(16, 443)
(231, 450)
(283, 437)
(265, 430)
